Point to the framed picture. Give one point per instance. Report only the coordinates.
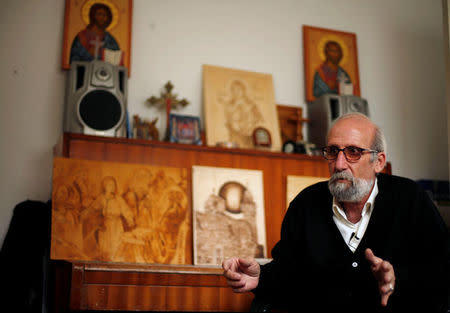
(97, 29)
(120, 212)
(235, 103)
(330, 62)
(295, 184)
(228, 214)
(184, 129)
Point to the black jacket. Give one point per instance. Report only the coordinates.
(313, 266)
(24, 258)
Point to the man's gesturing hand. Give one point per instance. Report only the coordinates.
(384, 274)
(242, 275)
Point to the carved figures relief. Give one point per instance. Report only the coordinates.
(119, 212)
(237, 102)
(228, 214)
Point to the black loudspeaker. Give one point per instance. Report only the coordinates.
(326, 108)
(96, 99)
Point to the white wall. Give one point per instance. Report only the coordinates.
(446, 46)
(31, 100)
(400, 51)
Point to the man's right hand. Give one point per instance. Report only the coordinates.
(242, 274)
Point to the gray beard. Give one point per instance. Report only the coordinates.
(343, 192)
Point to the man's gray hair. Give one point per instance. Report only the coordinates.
(379, 141)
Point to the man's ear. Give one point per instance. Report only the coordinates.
(380, 162)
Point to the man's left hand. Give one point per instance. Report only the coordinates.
(384, 274)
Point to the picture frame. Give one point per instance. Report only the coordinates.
(325, 69)
(117, 219)
(235, 103)
(228, 214)
(78, 42)
(295, 184)
(185, 129)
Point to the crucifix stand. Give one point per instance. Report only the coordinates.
(168, 100)
(291, 121)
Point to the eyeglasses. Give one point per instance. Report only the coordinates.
(352, 154)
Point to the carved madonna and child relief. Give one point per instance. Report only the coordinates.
(236, 103)
(119, 212)
(242, 114)
(228, 214)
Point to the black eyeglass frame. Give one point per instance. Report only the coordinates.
(361, 152)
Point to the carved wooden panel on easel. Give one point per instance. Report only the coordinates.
(119, 212)
(236, 102)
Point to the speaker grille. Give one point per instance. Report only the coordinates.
(100, 110)
(327, 108)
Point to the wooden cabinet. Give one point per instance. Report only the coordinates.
(132, 287)
(101, 286)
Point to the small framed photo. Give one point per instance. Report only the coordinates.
(184, 129)
(261, 137)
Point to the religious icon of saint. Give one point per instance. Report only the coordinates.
(330, 74)
(92, 42)
(331, 62)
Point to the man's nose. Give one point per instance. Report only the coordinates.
(341, 161)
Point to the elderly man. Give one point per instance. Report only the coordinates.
(363, 242)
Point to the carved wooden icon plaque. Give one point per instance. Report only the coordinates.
(120, 212)
(228, 209)
(235, 103)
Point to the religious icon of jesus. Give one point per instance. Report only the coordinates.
(331, 61)
(97, 30)
(91, 42)
(329, 74)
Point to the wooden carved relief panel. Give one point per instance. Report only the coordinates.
(119, 212)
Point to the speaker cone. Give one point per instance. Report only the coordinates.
(100, 109)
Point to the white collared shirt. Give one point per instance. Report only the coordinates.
(353, 233)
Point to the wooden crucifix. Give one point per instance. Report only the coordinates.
(291, 122)
(168, 100)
